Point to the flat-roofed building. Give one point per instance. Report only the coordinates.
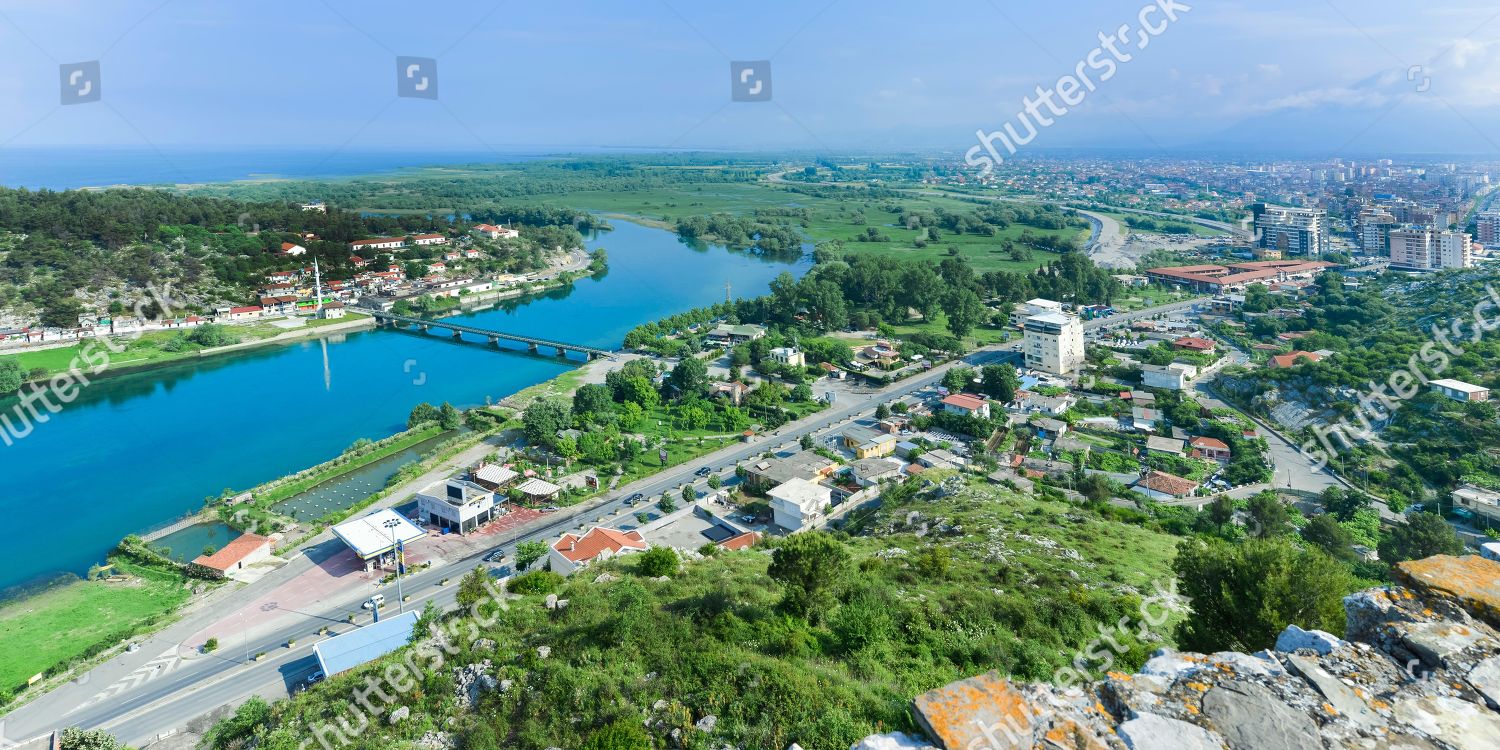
(1292, 230)
(1054, 343)
(377, 534)
(1458, 390)
(797, 503)
(1477, 500)
(457, 505)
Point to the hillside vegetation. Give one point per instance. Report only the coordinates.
(948, 579)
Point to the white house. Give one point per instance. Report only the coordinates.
(1173, 377)
(967, 405)
(797, 502)
(377, 243)
(573, 551)
(1458, 390)
(493, 232)
(789, 356)
(456, 505)
(293, 250)
(429, 239)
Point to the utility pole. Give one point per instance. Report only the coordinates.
(396, 550)
(727, 296)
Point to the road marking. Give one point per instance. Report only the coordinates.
(166, 662)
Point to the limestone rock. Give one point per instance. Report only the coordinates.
(707, 723)
(543, 651)
(893, 741)
(399, 715)
(1251, 717)
(1418, 669)
(485, 644)
(1297, 639)
(1152, 732)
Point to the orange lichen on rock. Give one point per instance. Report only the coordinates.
(979, 707)
(1472, 581)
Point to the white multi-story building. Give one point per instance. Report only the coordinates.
(796, 503)
(1428, 249)
(1375, 226)
(1294, 231)
(1054, 343)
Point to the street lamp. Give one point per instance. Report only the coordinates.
(396, 551)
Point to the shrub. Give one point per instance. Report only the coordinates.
(535, 582)
(657, 562)
(211, 645)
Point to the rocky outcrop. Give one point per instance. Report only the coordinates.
(1419, 668)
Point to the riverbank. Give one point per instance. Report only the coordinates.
(143, 352)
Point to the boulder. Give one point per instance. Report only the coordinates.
(1152, 732)
(1296, 639)
(706, 724)
(892, 741)
(399, 715)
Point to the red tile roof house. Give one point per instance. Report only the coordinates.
(1283, 361)
(1195, 344)
(573, 552)
(1211, 448)
(1159, 485)
(963, 403)
(248, 549)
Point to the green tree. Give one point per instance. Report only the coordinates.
(810, 566)
(529, 552)
(1325, 532)
(1344, 504)
(965, 310)
(421, 414)
(449, 417)
(714, 482)
(958, 379)
(689, 494)
(1000, 382)
(806, 442)
(1268, 516)
(592, 400)
(882, 411)
(74, 738)
(657, 562)
(1243, 595)
(689, 377)
(11, 376)
(471, 588)
(542, 420)
(1423, 535)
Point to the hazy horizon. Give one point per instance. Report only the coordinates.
(1258, 79)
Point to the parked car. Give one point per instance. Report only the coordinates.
(315, 677)
(703, 472)
(374, 601)
(633, 499)
(495, 555)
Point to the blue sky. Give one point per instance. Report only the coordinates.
(878, 74)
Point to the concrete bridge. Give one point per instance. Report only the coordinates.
(495, 337)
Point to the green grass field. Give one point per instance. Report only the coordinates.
(1198, 230)
(829, 219)
(145, 350)
(74, 619)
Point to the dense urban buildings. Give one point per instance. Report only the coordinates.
(1428, 249)
(1293, 231)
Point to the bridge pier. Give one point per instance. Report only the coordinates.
(561, 352)
(531, 348)
(458, 334)
(494, 341)
(424, 327)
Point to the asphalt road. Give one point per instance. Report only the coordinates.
(139, 713)
(199, 685)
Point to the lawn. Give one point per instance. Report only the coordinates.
(145, 349)
(79, 618)
(981, 336)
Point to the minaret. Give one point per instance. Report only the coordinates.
(317, 289)
(727, 296)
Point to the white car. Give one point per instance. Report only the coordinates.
(374, 601)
